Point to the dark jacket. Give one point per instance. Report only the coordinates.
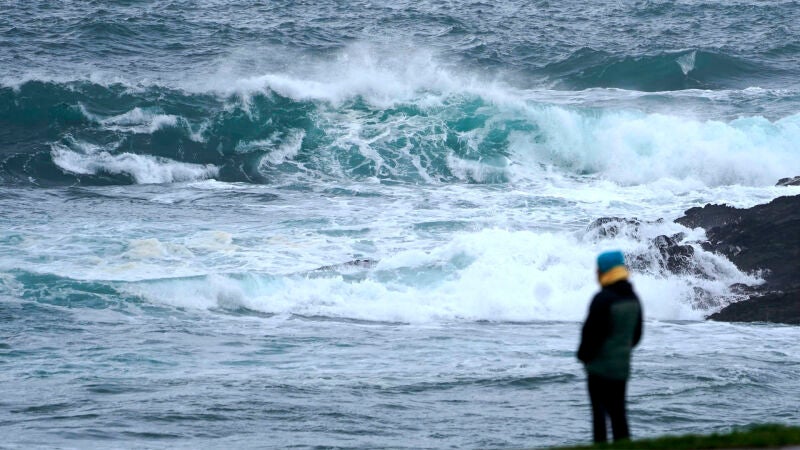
(612, 329)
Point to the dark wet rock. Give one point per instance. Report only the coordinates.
(676, 258)
(742, 289)
(663, 255)
(608, 227)
(670, 255)
(705, 300)
(763, 239)
(792, 181)
(709, 216)
(781, 307)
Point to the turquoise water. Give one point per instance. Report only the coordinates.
(366, 225)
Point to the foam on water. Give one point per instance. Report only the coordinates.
(152, 248)
(402, 114)
(626, 146)
(277, 152)
(687, 61)
(144, 121)
(635, 148)
(87, 159)
(406, 116)
(494, 275)
(234, 200)
(212, 241)
(384, 75)
(139, 121)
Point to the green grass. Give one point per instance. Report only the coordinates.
(757, 436)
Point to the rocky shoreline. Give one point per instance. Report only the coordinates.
(763, 239)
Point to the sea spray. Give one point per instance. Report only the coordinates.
(462, 138)
(312, 224)
(492, 275)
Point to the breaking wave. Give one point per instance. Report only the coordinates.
(668, 71)
(419, 124)
(489, 275)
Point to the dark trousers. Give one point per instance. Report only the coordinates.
(608, 399)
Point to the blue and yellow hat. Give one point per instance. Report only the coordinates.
(608, 260)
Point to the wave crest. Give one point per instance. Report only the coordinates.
(443, 134)
(142, 169)
(669, 71)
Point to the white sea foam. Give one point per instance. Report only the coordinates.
(625, 146)
(212, 241)
(9, 285)
(383, 76)
(277, 149)
(472, 170)
(493, 274)
(152, 248)
(635, 148)
(686, 62)
(587, 162)
(140, 120)
(90, 160)
(143, 121)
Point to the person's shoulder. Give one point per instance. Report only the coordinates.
(602, 298)
(621, 289)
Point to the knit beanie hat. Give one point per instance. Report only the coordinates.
(608, 260)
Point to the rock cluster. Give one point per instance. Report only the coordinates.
(794, 181)
(670, 255)
(764, 238)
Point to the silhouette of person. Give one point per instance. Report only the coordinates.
(611, 330)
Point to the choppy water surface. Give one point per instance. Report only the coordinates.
(364, 225)
(185, 379)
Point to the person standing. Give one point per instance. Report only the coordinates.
(612, 329)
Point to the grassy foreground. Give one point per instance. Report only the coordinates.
(758, 436)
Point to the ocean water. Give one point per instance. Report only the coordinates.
(367, 224)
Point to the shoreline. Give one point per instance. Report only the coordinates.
(764, 239)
